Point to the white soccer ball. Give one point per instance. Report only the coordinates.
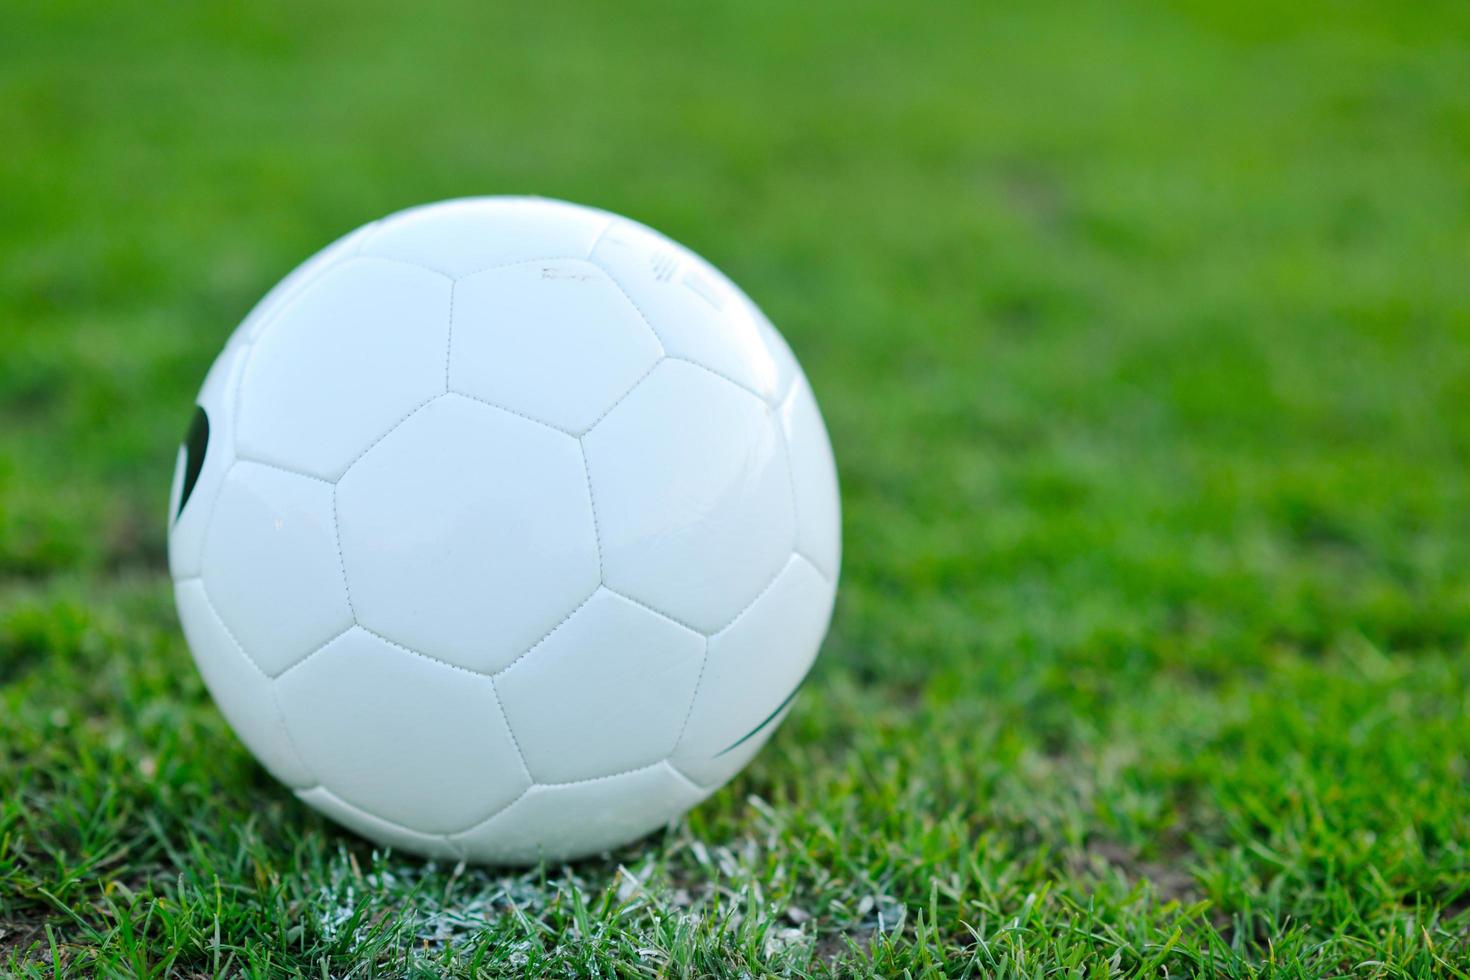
(505, 531)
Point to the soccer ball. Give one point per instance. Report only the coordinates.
(505, 530)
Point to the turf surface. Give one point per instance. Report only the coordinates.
(1143, 334)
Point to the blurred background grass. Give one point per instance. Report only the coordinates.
(1143, 333)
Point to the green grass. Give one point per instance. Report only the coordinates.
(1143, 334)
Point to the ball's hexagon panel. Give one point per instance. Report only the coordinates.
(467, 533)
(242, 692)
(411, 741)
(271, 566)
(376, 829)
(751, 671)
(814, 478)
(281, 294)
(467, 235)
(558, 823)
(612, 669)
(189, 518)
(697, 316)
(350, 355)
(553, 339)
(693, 497)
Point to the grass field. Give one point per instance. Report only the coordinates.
(1143, 335)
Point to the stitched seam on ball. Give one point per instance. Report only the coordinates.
(498, 811)
(722, 375)
(419, 653)
(751, 604)
(600, 236)
(348, 805)
(607, 411)
(286, 303)
(282, 467)
(391, 429)
(373, 230)
(209, 601)
(312, 280)
(790, 476)
(510, 411)
(421, 266)
(286, 730)
(592, 503)
(505, 720)
(807, 560)
(269, 680)
(315, 650)
(693, 697)
(831, 579)
(657, 612)
(798, 553)
(514, 262)
(341, 561)
(779, 395)
(633, 302)
(657, 336)
(237, 397)
(607, 776)
(449, 336)
(694, 784)
(546, 636)
(219, 491)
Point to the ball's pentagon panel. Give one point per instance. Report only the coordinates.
(505, 530)
(467, 533)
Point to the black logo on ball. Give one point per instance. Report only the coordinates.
(196, 443)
